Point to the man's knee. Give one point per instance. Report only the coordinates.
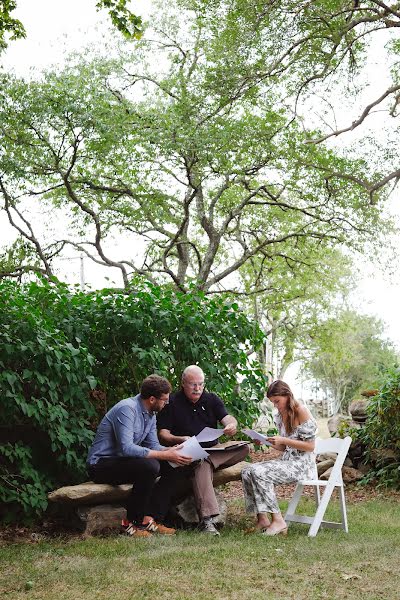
(151, 468)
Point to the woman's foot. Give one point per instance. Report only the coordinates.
(262, 524)
(276, 529)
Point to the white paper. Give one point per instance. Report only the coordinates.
(208, 434)
(192, 448)
(254, 435)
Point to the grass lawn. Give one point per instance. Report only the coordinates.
(363, 564)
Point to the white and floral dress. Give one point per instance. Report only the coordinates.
(259, 479)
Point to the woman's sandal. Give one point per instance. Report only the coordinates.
(255, 530)
(269, 531)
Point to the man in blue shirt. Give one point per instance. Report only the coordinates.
(126, 450)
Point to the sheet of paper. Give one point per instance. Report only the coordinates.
(254, 435)
(193, 449)
(208, 434)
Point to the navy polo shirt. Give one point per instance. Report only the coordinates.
(183, 417)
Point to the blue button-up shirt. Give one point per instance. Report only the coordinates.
(128, 429)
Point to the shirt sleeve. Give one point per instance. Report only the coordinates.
(307, 431)
(126, 428)
(151, 440)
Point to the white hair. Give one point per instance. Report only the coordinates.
(192, 369)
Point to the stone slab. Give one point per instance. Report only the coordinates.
(90, 493)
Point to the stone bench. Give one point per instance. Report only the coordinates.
(99, 505)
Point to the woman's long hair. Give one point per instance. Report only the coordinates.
(280, 388)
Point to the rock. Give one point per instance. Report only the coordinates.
(185, 513)
(99, 504)
(348, 462)
(369, 393)
(325, 476)
(356, 452)
(326, 456)
(364, 469)
(335, 422)
(90, 493)
(358, 410)
(324, 466)
(383, 456)
(99, 518)
(350, 475)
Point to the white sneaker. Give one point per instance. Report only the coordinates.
(207, 526)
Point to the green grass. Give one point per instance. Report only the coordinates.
(362, 564)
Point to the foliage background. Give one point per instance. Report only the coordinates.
(67, 356)
(382, 432)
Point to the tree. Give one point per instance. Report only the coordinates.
(122, 18)
(8, 25)
(348, 354)
(293, 296)
(200, 158)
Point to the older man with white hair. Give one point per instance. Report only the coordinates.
(190, 410)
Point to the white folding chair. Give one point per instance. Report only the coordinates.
(341, 447)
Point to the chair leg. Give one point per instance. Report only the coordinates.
(291, 509)
(319, 515)
(317, 495)
(343, 509)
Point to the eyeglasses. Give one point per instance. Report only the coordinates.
(194, 385)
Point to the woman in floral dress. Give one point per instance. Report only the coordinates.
(296, 440)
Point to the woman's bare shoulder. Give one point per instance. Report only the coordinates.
(303, 414)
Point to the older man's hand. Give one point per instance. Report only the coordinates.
(230, 429)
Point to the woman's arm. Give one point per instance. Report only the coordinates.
(280, 443)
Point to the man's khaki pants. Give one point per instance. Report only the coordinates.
(202, 481)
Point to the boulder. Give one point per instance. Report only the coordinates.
(350, 475)
(369, 393)
(185, 513)
(101, 517)
(356, 452)
(108, 517)
(90, 493)
(324, 466)
(326, 456)
(358, 410)
(335, 422)
(383, 456)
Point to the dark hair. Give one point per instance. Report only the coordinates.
(280, 388)
(155, 385)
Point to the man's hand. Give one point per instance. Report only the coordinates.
(230, 429)
(172, 454)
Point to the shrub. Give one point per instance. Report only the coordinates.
(382, 432)
(58, 344)
(44, 383)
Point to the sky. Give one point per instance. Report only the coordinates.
(56, 28)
